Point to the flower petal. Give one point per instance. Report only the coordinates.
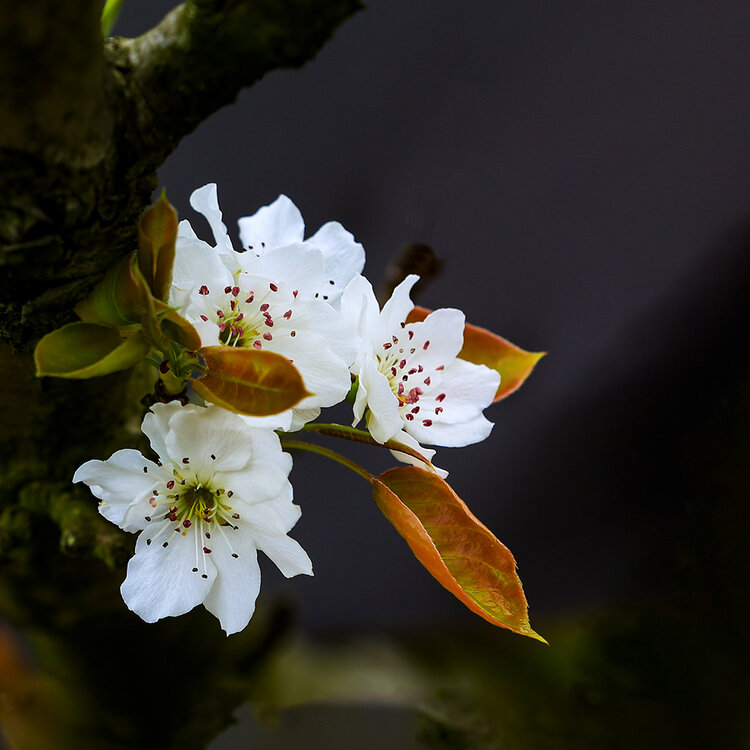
(275, 225)
(120, 482)
(233, 594)
(383, 419)
(396, 309)
(286, 553)
(205, 201)
(405, 438)
(344, 258)
(297, 266)
(161, 580)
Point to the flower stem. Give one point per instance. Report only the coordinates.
(360, 436)
(328, 453)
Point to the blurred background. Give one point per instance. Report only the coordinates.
(582, 171)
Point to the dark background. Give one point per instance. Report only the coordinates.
(582, 170)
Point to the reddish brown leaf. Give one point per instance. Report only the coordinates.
(157, 235)
(458, 550)
(486, 348)
(256, 383)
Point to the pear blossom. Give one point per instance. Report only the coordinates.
(219, 492)
(269, 300)
(412, 387)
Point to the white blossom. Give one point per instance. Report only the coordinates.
(412, 387)
(269, 300)
(218, 493)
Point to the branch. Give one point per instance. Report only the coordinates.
(200, 56)
(51, 78)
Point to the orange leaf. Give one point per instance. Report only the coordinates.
(256, 383)
(458, 550)
(482, 347)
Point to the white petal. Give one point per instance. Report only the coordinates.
(428, 453)
(469, 389)
(298, 266)
(286, 553)
(301, 416)
(185, 231)
(344, 258)
(442, 333)
(155, 427)
(383, 419)
(197, 263)
(205, 201)
(277, 224)
(120, 482)
(232, 597)
(359, 306)
(160, 580)
(452, 435)
(396, 309)
(210, 438)
(280, 421)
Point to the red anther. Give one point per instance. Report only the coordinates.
(442, 367)
(427, 422)
(420, 368)
(269, 321)
(438, 410)
(394, 339)
(273, 287)
(222, 326)
(186, 523)
(203, 290)
(204, 318)
(239, 317)
(239, 331)
(440, 397)
(170, 484)
(250, 298)
(394, 371)
(207, 550)
(295, 292)
(186, 460)
(268, 336)
(410, 417)
(415, 410)
(233, 304)
(264, 307)
(220, 313)
(411, 334)
(173, 517)
(235, 291)
(418, 391)
(288, 314)
(227, 289)
(402, 364)
(257, 344)
(412, 371)
(427, 381)
(152, 502)
(234, 330)
(387, 345)
(426, 344)
(400, 388)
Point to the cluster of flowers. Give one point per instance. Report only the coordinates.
(220, 489)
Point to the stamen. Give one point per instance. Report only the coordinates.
(438, 409)
(186, 523)
(257, 344)
(426, 344)
(145, 469)
(220, 313)
(204, 318)
(402, 364)
(427, 380)
(227, 289)
(288, 314)
(411, 334)
(273, 287)
(440, 397)
(250, 297)
(293, 334)
(235, 291)
(410, 417)
(387, 345)
(186, 460)
(427, 422)
(295, 292)
(203, 290)
(206, 550)
(264, 307)
(268, 336)
(269, 321)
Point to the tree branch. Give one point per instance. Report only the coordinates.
(200, 56)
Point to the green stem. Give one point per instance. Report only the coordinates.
(328, 453)
(360, 436)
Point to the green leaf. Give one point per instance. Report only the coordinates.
(121, 298)
(458, 550)
(256, 383)
(86, 350)
(157, 236)
(482, 347)
(110, 14)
